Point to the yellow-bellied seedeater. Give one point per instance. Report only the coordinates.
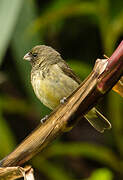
(52, 80)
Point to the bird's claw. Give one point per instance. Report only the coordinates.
(44, 119)
(63, 100)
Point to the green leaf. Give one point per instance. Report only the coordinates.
(115, 106)
(114, 31)
(15, 105)
(51, 170)
(53, 15)
(96, 152)
(80, 68)
(9, 12)
(7, 140)
(101, 174)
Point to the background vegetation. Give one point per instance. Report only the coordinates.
(82, 31)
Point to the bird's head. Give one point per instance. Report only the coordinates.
(41, 53)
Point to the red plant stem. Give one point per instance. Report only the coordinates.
(113, 71)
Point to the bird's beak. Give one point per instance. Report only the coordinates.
(27, 57)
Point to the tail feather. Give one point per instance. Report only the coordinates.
(97, 120)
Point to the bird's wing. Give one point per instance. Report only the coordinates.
(68, 71)
(97, 120)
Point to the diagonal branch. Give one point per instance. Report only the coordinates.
(103, 77)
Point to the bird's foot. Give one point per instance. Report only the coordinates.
(44, 119)
(63, 100)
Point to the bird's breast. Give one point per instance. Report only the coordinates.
(53, 87)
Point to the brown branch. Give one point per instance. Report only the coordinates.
(67, 114)
(11, 173)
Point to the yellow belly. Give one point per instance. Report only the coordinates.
(51, 89)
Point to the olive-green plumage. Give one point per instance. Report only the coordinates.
(52, 79)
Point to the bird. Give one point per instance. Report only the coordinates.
(53, 80)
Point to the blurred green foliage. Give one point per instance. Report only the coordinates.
(81, 30)
(102, 174)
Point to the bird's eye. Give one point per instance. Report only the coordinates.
(34, 54)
